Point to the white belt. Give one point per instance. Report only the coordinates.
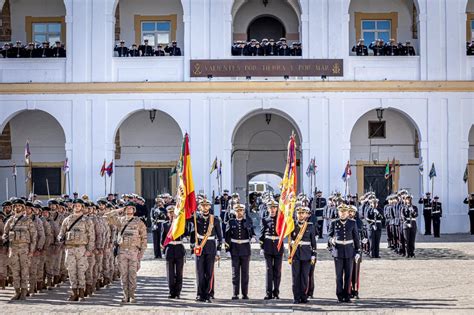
(344, 242)
(209, 238)
(239, 241)
(413, 219)
(175, 242)
(319, 209)
(436, 212)
(428, 207)
(161, 221)
(274, 238)
(471, 209)
(302, 243)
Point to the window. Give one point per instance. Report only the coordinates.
(371, 26)
(156, 32)
(376, 129)
(43, 176)
(472, 29)
(40, 29)
(50, 32)
(157, 29)
(373, 29)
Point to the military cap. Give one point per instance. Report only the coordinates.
(428, 193)
(6, 203)
(174, 42)
(53, 202)
(226, 192)
(78, 200)
(102, 202)
(282, 39)
(18, 41)
(18, 201)
(67, 200)
(37, 205)
(29, 204)
(343, 208)
(239, 206)
(134, 45)
(130, 204)
(45, 208)
(122, 41)
(436, 197)
(235, 195)
(301, 208)
(170, 208)
(204, 202)
(272, 203)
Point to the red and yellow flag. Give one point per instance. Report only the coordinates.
(285, 222)
(185, 198)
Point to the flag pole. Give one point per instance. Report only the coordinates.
(6, 187)
(47, 187)
(111, 182)
(16, 191)
(68, 184)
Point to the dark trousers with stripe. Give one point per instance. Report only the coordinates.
(343, 276)
(204, 271)
(174, 272)
(240, 274)
(300, 274)
(273, 263)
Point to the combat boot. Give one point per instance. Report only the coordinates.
(23, 294)
(125, 298)
(57, 281)
(17, 295)
(73, 296)
(132, 297)
(2, 284)
(63, 278)
(88, 290)
(106, 282)
(97, 285)
(81, 294)
(39, 286)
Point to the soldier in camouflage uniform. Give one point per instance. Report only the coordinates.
(55, 252)
(62, 214)
(101, 237)
(78, 236)
(7, 211)
(105, 275)
(48, 240)
(32, 212)
(88, 212)
(20, 233)
(52, 256)
(132, 239)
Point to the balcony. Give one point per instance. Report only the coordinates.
(470, 68)
(139, 69)
(32, 70)
(373, 68)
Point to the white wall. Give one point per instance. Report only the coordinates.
(47, 144)
(471, 144)
(129, 8)
(142, 140)
(254, 8)
(19, 9)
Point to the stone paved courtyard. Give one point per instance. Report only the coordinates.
(440, 280)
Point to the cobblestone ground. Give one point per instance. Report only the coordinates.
(439, 280)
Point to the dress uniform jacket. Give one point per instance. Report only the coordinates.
(269, 237)
(238, 235)
(146, 50)
(360, 50)
(214, 241)
(176, 248)
(173, 50)
(122, 51)
(470, 203)
(307, 247)
(344, 232)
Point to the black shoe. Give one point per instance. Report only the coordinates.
(296, 302)
(347, 300)
(245, 297)
(268, 297)
(176, 296)
(276, 296)
(304, 301)
(235, 297)
(340, 300)
(208, 301)
(170, 296)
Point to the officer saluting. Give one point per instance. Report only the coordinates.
(302, 254)
(121, 50)
(145, 49)
(174, 50)
(436, 214)
(344, 240)
(269, 245)
(174, 253)
(238, 235)
(470, 202)
(205, 230)
(360, 49)
(317, 208)
(426, 202)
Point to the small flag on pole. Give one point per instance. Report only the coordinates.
(27, 152)
(102, 169)
(219, 170)
(66, 166)
(14, 172)
(420, 167)
(213, 166)
(347, 172)
(387, 170)
(110, 169)
(465, 178)
(432, 171)
(311, 170)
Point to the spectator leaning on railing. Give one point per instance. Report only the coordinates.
(146, 50)
(266, 48)
(32, 50)
(379, 48)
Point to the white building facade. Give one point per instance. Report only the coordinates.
(92, 105)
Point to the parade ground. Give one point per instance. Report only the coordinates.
(439, 280)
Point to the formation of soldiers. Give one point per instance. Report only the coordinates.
(92, 244)
(33, 50)
(147, 50)
(380, 48)
(266, 48)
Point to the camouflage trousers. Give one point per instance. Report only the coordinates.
(128, 263)
(62, 267)
(3, 262)
(40, 267)
(108, 263)
(54, 260)
(76, 264)
(19, 262)
(90, 270)
(34, 263)
(98, 266)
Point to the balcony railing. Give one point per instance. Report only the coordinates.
(32, 70)
(138, 69)
(375, 68)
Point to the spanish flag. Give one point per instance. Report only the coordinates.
(185, 198)
(285, 223)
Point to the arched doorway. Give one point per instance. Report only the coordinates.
(259, 146)
(471, 161)
(254, 19)
(47, 154)
(266, 27)
(379, 138)
(146, 151)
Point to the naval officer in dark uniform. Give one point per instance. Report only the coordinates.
(174, 253)
(269, 247)
(426, 202)
(344, 241)
(317, 208)
(374, 218)
(469, 200)
(302, 253)
(206, 241)
(238, 236)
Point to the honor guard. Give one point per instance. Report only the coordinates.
(224, 203)
(145, 49)
(360, 49)
(173, 50)
(317, 208)
(33, 213)
(269, 248)
(121, 50)
(374, 218)
(206, 230)
(344, 244)
(407, 49)
(409, 213)
(21, 236)
(175, 255)
(238, 235)
(302, 253)
(388, 222)
(158, 217)
(470, 202)
(426, 202)
(436, 214)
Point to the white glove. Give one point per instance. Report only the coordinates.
(253, 240)
(261, 252)
(313, 260)
(228, 254)
(317, 238)
(218, 254)
(193, 256)
(333, 241)
(357, 258)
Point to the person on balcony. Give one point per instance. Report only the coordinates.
(29, 51)
(470, 48)
(391, 48)
(44, 51)
(271, 49)
(159, 51)
(238, 49)
(378, 47)
(122, 50)
(145, 49)
(174, 50)
(407, 49)
(360, 49)
(296, 49)
(284, 50)
(58, 50)
(17, 51)
(252, 49)
(134, 52)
